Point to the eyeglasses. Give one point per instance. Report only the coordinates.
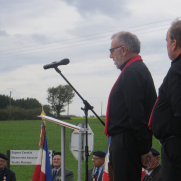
(2, 161)
(112, 49)
(58, 159)
(95, 159)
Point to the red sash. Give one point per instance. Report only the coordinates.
(134, 59)
(150, 120)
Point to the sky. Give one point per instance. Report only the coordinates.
(38, 32)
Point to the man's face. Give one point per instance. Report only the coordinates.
(57, 161)
(2, 163)
(154, 163)
(116, 54)
(97, 161)
(170, 46)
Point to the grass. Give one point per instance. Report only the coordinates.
(24, 135)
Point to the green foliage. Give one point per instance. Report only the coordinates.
(47, 110)
(24, 135)
(16, 113)
(20, 109)
(59, 97)
(5, 101)
(29, 103)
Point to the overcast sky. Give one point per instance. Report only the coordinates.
(38, 32)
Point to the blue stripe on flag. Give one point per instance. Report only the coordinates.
(47, 164)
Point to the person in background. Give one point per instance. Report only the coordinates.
(5, 173)
(56, 171)
(96, 173)
(166, 117)
(154, 170)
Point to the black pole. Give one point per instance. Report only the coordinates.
(8, 155)
(87, 107)
(84, 101)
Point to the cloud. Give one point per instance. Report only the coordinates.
(112, 8)
(39, 38)
(39, 32)
(3, 33)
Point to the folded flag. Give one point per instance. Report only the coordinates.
(42, 170)
(106, 169)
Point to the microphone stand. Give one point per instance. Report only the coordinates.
(86, 108)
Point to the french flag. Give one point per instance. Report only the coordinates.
(106, 169)
(42, 170)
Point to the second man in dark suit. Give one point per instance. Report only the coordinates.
(96, 173)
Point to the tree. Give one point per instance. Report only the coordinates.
(5, 101)
(29, 103)
(59, 97)
(47, 109)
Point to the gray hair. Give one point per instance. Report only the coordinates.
(175, 31)
(128, 39)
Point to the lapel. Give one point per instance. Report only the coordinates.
(93, 173)
(58, 175)
(100, 177)
(152, 174)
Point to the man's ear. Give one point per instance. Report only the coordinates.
(174, 45)
(124, 51)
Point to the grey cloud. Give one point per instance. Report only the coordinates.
(39, 38)
(3, 33)
(111, 8)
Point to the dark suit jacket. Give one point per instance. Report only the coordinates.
(9, 174)
(69, 176)
(155, 175)
(91, 173)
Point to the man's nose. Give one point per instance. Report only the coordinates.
(111, 56)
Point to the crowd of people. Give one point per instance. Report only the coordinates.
(134, 114)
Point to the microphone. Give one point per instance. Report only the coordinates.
(56, 64)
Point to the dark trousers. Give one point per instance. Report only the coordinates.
(171, 159)
(125, 158)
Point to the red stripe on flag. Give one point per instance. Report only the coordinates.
(106, 176)
(36, 174)
(42, 177)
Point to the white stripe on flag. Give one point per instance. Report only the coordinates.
(43, 162)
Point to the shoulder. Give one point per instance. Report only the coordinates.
(10, 174)
(90, 170)
(137, 68)
(9, 171)
(157, 172)
(68, 171)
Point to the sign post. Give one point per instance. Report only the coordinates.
(77, 146)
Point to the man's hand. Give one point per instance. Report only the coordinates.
(146, 159)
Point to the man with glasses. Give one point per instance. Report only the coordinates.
(154, 170)
(129, 107)
(95, 174)
(56, 171)
(5, 173)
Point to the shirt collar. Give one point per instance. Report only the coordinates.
(176, 59)
(149, 173)
(58, 169)
(124, 64)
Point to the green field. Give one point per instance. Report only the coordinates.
(24, 135)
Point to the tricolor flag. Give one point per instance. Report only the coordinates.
(42, 170)
(106, 169)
